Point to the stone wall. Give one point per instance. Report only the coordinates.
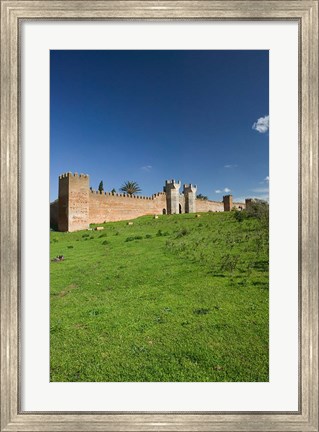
(54, 214)
(78, 206)
(215, 206)
(63, 218)
(207, 205)
(106, 207)
(239, 206)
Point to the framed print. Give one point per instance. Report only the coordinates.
(159, 215)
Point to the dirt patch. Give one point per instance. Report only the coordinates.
(67, 290)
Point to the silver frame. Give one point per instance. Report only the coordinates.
(303, 11)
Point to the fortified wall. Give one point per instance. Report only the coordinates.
(77, 205)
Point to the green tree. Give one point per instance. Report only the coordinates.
(113, 191)
(101, 188)
(260, 210)
(131, 188)
(202, 197)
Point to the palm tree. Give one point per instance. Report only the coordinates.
(202, 197)
(130, 187)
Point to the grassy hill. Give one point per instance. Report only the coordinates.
(178, 298)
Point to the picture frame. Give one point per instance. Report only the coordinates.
(12, 14)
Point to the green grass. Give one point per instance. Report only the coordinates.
(177, 298)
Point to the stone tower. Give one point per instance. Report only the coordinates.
(249, 202)
(228, 202)
(172, 196)
(190, 198)
(73, 202)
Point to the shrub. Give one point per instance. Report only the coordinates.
(169, 244)
(182, 233)
(201, 311)
(131, 238)
(239, 215)
(105, 242)
(70, 247)
(94, 312)
(148, 236)
(229, 262)
(259, 209)
(161, 233)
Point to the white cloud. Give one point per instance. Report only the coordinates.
(261, 190)
(261, 193)
(262, 124)
(226, 189)
(266, 180)
(147, 168)
(230, 166)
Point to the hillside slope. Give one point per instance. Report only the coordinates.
(178, 298)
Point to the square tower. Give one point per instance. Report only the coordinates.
(228, 202)
(172, 196)
(189, 191)
(73, 202)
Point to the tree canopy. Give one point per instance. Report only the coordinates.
(101, 188)
(203, 197)
(130, 187)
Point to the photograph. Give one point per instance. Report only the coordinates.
(159, 216)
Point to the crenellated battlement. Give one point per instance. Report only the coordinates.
(71, 175)
(190, 186)
(120, 195)
(172, 184)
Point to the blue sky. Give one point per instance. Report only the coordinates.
(146, 116)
